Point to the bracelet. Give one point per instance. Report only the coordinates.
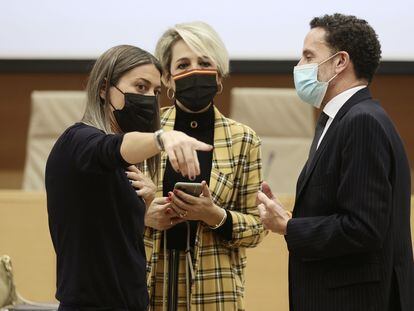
(158, 140)
(223, 220)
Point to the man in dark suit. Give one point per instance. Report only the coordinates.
(349, 237)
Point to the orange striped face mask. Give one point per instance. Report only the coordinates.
(195, 89)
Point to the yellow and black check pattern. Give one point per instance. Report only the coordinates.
(219, 265)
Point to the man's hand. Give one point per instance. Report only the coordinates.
(272, 214)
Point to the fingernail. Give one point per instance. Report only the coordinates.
(130, 181)
(170, 194)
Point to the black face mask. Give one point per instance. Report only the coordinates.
(195, 90)
(140, 113)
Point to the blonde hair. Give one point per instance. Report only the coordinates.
(106, 72)
(201, 38)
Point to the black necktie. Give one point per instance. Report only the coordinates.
(323, 118)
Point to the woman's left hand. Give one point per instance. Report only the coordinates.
(146, 188)
(197, 208)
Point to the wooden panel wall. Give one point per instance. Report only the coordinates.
(394, 92)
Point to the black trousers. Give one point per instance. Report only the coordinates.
(394, 303)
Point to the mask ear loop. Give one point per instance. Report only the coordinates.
(119, 91)
(332, 78)
(330, 57)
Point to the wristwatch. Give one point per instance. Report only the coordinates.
(158, 140)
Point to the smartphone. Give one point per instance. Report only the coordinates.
(192, 188)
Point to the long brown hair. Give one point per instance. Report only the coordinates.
(107, 71)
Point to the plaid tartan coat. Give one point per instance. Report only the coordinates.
(235, 179)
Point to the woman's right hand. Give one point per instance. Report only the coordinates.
(182, 152)
(160, 216)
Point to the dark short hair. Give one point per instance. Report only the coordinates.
(354, 36)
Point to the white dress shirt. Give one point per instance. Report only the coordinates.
(335, 104)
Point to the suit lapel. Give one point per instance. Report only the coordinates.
(222, 166)
(325, 141)
(329, 135)
(223, 144)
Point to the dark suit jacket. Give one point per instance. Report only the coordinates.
(350, 230)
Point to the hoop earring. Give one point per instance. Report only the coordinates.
(168, 93)
(220, 89)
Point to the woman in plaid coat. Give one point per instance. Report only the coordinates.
(196, 246)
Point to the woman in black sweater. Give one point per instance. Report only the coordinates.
(96, 218)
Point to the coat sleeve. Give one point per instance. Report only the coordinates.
(364, 198)
(248, 231)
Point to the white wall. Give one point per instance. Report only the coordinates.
(254, 29)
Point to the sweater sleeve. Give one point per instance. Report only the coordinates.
(247, 229)
(95, 151)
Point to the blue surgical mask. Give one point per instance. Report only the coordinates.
(309, 89)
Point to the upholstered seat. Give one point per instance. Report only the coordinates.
(51, 113)
(286, 126)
